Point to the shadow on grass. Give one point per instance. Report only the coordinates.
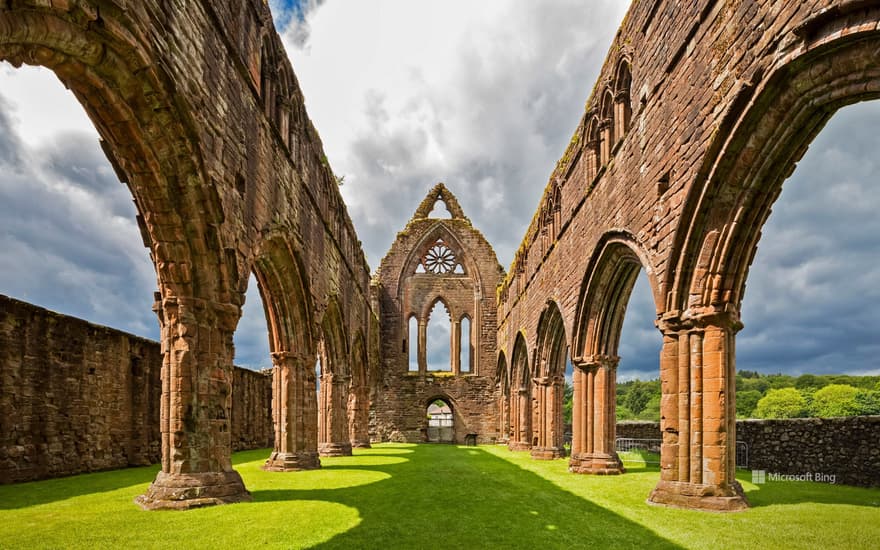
(773, 493)
(467, 498)
(33, 493)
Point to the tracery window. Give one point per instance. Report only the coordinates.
(439, 259)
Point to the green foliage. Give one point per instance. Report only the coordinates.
(760, 385)
(624, 413)
(835, 400)
(779, 381)
(567, 399)
(746, 401)
(805, 381)
(868, 401)
(634, 397)
(638, 396)
(781, 403)
(652, 410)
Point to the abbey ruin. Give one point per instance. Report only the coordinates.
(700, 112)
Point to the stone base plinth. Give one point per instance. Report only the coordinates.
(518, 446)
(547, 453)
(334, 449)
(292, 462)
(699, 497)
(185, 491)
(361, 444)
(596, 464)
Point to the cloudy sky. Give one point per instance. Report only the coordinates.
(483, 96)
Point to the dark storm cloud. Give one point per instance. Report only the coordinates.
(810, 300)
(252, 336)
(69, 238)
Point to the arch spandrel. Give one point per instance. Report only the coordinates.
(766, 133)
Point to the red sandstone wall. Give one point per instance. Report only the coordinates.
(402, 397)
(77, 397)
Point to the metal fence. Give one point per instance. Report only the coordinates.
(652, 448)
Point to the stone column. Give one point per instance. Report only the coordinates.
(698, 413)
(595, 418)
(359, 417)
(622, 113)
(591, 148)
(455, 347)
(423, 343)
(520, 438)
(605, 141)
(196, 407)
(295, 413)
(503, 416)
(334, 409)
(549, 435)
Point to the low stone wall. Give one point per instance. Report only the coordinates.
(846, 448)
(638, 430)
(77, 397)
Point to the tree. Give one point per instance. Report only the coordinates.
(638, 396)
(835, 400)
(868, 401)
(652, 410)
(781, 403)
(746, 401)
(805, 381)
(760, 385)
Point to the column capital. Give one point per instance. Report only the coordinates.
(294, 358)
(221, 315)
(591, 362)
(698, 319)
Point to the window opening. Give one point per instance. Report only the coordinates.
(439, 339)
(440, 210)
(465, 345)
(413, 344)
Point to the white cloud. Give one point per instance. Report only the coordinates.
(483, 96)
(480, 95)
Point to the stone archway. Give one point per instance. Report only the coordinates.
(610, 277)
(333, 426)
(148, 138)
(549, 384)
(521, 408)
(720, 233)
(440, 418)
(294, 404)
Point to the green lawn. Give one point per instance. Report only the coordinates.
(419, 496)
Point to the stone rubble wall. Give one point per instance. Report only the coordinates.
(77, 397)
(846, 448)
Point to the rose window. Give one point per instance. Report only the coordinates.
(439, 259)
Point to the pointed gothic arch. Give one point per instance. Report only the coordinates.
(521, 399)
(549, 378)
(333, 429)
(288, 317)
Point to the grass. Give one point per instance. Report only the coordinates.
(413, 496)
